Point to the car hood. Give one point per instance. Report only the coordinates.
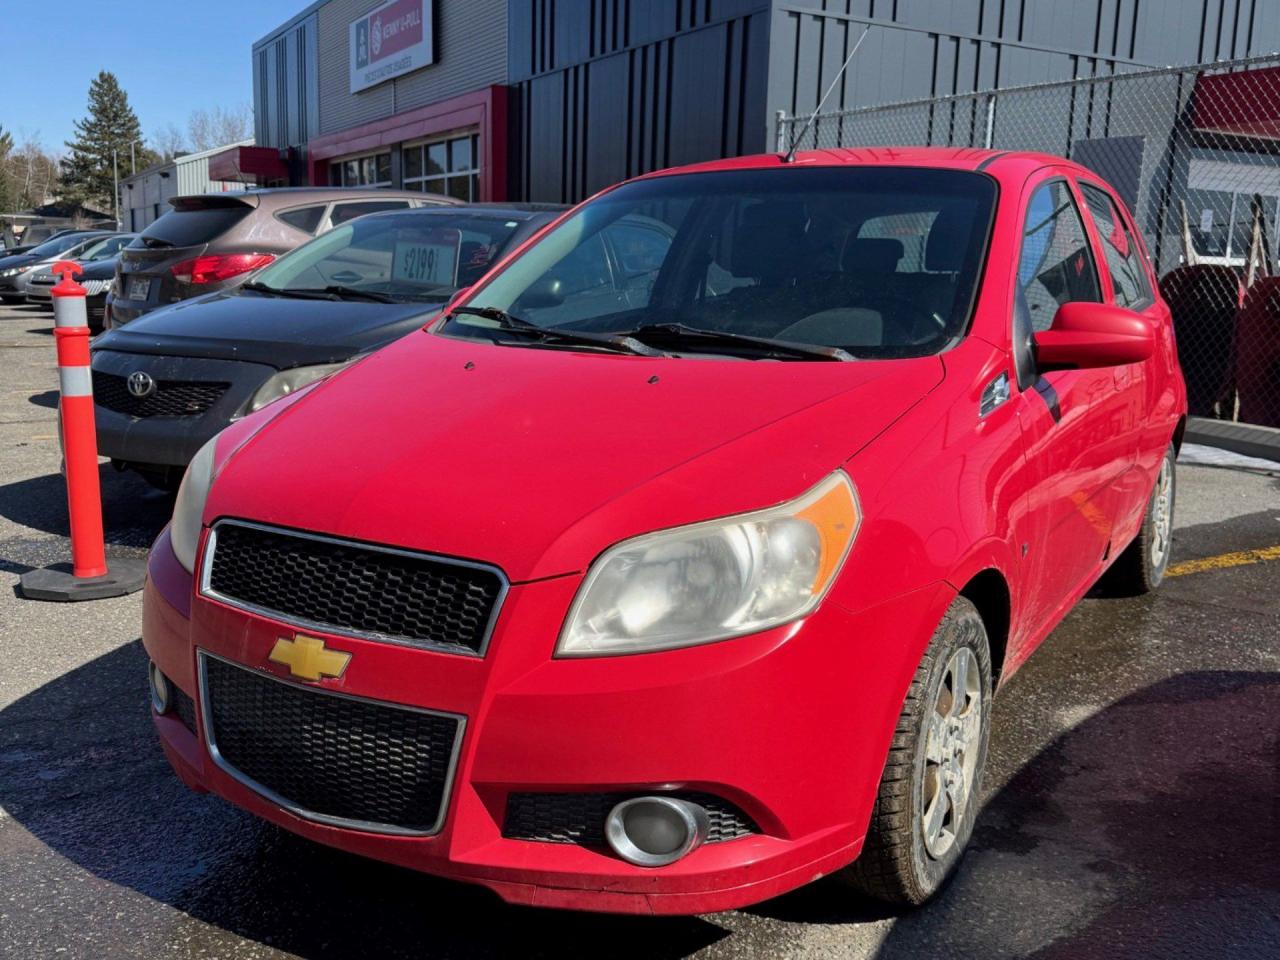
(18, 260)
(536, 460)
(273, 330)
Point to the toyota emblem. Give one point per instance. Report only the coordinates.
(141, 384)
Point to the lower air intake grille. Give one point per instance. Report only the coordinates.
(169, 398)
(355, 587)
(579, 817)
(330, 758)
(184, 708)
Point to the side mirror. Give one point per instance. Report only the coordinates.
(545, 292)
(1085, 335)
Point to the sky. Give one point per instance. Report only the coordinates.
(171, 57)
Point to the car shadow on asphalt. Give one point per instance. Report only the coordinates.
(1150, 829)
(133, 514)
(1120, 838)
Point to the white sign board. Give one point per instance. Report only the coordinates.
(390, 41)
(433, 261)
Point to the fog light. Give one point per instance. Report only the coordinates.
(161, 698)
(655, 831)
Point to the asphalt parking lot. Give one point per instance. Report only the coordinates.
(1132, 802)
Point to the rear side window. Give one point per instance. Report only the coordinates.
(342, 212)
(192, 226)
(1055, 265)
(1128, 278)
(305, 219)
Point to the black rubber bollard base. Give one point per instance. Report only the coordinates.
(124, 575)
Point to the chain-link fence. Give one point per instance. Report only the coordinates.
(1194, 151)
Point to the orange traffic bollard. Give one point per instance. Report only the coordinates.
(90, 577)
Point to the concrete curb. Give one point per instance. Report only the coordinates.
(1242, 438)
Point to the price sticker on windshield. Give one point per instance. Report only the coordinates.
(432, 261)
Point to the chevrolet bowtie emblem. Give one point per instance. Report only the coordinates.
(307, 657)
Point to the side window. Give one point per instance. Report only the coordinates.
(1055, 265)
(342, 212)
(1128, 278)
(305, 219)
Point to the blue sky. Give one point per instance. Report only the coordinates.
(171, 56)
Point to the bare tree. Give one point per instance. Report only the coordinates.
(31, 173)
(207, 129)
(169, 141)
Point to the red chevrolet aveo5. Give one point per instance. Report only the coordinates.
(676, 564)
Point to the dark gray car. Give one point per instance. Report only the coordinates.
(166, 383)
(212, 241)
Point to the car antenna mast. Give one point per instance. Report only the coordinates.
(795, 142)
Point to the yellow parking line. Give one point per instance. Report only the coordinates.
(1223, 561)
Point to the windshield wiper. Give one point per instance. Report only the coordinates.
(509, 323)
(670, 334)
(301, 294)
(355, 293)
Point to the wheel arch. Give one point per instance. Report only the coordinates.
(988, 590)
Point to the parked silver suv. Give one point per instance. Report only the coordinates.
(212, 241)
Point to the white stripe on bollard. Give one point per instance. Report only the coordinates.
(69, 312)
(75, 381)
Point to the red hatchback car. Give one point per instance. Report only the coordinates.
(676, 564)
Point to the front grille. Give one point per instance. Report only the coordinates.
(183, 707)
(329, 757)
(579, 817)
(353, 587)
(171, 398)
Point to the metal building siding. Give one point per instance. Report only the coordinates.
(921, 48)
(471, 53)
(608, 89)
(285, 92)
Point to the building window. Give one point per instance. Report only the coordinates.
(373, 170)
(450, 166)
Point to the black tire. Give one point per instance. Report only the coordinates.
(896, 865)
(1138, 569)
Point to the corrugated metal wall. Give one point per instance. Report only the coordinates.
(471, 53)
(145, 197)
(285, 101)
(922, 48)
(607, 89)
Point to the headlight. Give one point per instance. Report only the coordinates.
(287, 381)
(188, 509)
(714, 580)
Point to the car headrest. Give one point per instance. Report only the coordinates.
(872, 255)
(948, 240)
(767, 243)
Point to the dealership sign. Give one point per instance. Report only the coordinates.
(390, 41)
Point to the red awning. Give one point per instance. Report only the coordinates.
(1243, 104)
(239, 163)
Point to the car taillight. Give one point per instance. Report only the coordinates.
(215, 267)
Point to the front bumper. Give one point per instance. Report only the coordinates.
(791, 725)
(171, 441)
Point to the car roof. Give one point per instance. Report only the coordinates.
(1010, 164)
(498, 211)
(280, 197)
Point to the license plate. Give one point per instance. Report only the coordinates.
(138, 289)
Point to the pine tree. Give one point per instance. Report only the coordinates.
(87, 172)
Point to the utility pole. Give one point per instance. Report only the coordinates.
(115, 177)
(133, 159)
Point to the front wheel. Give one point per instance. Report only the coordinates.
(1141, 567)
(928, 797)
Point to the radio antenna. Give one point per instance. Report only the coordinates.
(795, 142)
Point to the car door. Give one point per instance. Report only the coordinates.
(1072, 443)
(1127, 283)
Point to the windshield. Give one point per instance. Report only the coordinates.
(410, 256)
(104, 249)
(57, 245)
(876, 261)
